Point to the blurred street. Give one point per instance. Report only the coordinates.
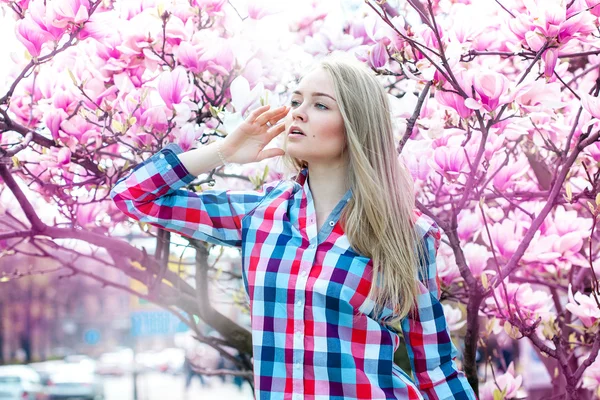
(160, 386)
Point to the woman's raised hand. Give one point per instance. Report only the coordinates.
(246, 143)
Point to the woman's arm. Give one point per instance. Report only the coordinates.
(430, 349)
(152, 193)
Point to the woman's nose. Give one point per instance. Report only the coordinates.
(298, 113)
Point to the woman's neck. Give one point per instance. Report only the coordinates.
(327, 186)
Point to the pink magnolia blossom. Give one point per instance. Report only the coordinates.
(535, 40)
(53, 119)
(490, 86)
(177, 31)
(32, 36)
(378, 55)
(416, 160)
(98, 27)
(217, 56)
(447, 268)
(591, 104)
(64, 100)
(594, 7)
(506, 236)
(379, 31)
(591, 376)
(454, 317)
(477, 257)
(23, 110)
(79, 129)
(449, 161)
(493, 145)
(509, 382)
(583, 307)
(593, 150)
(155, 119)
(552, 21)
(44, 18)
(507, 175)
(551, 252)
(325, 42)
(65, 12)
(173, 86)
(468, 224)
(454, 101)
(186, 135)
(187, 55)
(261, 9)
(538, 96)
(242, 97)
(87, 213)
(531, 303)
(550, 58)
(64, 156)
(210, 6)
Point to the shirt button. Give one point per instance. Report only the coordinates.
(168, 167)
(299, 304)
(161, 156)
(331, 223)
(312, 246)
(297, 365)
(303, 274)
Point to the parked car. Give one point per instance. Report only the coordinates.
(20, 382)
(45, 368)
(116, 363)
(71, 381)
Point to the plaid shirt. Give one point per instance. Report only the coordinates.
(305, 288)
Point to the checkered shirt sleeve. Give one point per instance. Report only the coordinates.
(430, 349)
(152, 193)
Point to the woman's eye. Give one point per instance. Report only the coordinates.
(295, 103)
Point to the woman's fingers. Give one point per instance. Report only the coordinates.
(268, 153)
(276, 130)
(254, 114)
(271, 115)
(279, 116)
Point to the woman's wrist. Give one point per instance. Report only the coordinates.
(227, 151)
(221, 154)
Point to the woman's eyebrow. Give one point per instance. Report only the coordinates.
(315, 94)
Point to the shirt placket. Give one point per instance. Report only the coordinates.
(308, 258)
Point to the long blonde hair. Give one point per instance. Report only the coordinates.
(379, 220)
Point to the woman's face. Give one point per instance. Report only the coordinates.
(314, 110)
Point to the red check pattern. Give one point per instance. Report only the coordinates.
(305, 288)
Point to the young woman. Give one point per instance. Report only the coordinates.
(336, 261)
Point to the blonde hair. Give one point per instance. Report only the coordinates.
(379, 220)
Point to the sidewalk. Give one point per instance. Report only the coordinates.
(157, 386)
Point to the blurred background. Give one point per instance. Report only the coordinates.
(67, 336)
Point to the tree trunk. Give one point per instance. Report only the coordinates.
(2, 361)
(471, 338)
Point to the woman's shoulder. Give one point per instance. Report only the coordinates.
(425, 225)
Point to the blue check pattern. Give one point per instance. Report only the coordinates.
(305, 287)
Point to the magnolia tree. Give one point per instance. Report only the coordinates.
(496, 114)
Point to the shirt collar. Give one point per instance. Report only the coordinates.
(301, 177)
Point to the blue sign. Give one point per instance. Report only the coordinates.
(91, 336)
(155, 323)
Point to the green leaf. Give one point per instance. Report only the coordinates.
(498, 395)
(72, 77)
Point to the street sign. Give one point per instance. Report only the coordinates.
(155, 323)
(91, 336)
